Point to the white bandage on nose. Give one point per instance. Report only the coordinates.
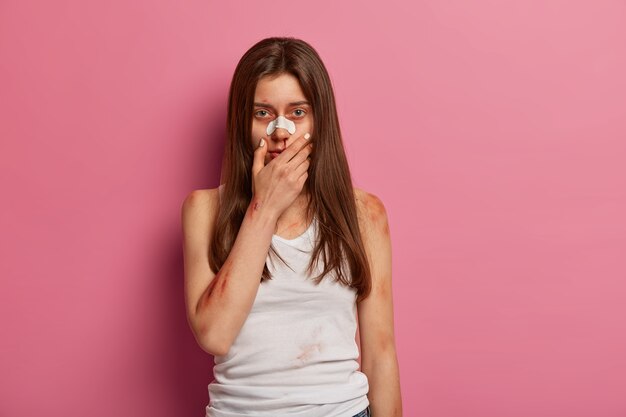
(281, 122)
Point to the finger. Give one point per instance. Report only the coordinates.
(294, 148)
(259, 157)
(302, 168)
(302, 179)
(301, 156)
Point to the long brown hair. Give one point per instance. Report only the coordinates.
(329, 182)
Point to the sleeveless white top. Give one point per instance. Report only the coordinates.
(296, 353)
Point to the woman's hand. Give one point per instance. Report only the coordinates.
(278, 183)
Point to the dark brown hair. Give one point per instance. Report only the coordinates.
(329, 182)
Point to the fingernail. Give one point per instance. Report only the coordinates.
(307, 136)
(261, 143)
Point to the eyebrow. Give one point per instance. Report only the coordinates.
(295, 103)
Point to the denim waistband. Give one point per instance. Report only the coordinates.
(364, 413)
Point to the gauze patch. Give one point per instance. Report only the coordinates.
(281, 122)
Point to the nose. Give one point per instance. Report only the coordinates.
(281, 135)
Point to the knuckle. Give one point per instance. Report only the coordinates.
(282, 171)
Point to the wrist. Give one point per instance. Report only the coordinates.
(258, 210)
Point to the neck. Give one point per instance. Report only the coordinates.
(296, 212)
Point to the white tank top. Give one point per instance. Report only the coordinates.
(296, 353)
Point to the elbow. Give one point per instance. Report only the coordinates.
(213, 343)
(215, 349)
(211, 336)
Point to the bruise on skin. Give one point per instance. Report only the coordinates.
(223, 280)
(211, 287)
(293, 226)
(385, 226)
(375, 211)
(254, 207)
(219, 282)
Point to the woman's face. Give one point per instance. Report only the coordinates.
(279, 96)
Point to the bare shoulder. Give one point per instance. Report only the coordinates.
(371, 212)
(200, 207)
(203, 196)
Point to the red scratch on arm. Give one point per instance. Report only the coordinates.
(254, 207)
(223, 281)
(219, 282)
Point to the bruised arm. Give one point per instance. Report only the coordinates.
(219, 303)
(376, 327)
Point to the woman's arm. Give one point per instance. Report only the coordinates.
(378, 352)
(218, 304)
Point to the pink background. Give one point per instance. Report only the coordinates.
(494, 132)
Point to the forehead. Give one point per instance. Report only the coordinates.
(276, 89)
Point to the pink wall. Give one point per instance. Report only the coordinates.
(494, 132)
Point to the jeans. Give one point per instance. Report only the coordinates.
(364, 413)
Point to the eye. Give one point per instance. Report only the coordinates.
(299, 112)
(261, 113)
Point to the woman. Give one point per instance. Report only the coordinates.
(285, 255)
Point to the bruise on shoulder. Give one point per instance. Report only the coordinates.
(374, 211)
